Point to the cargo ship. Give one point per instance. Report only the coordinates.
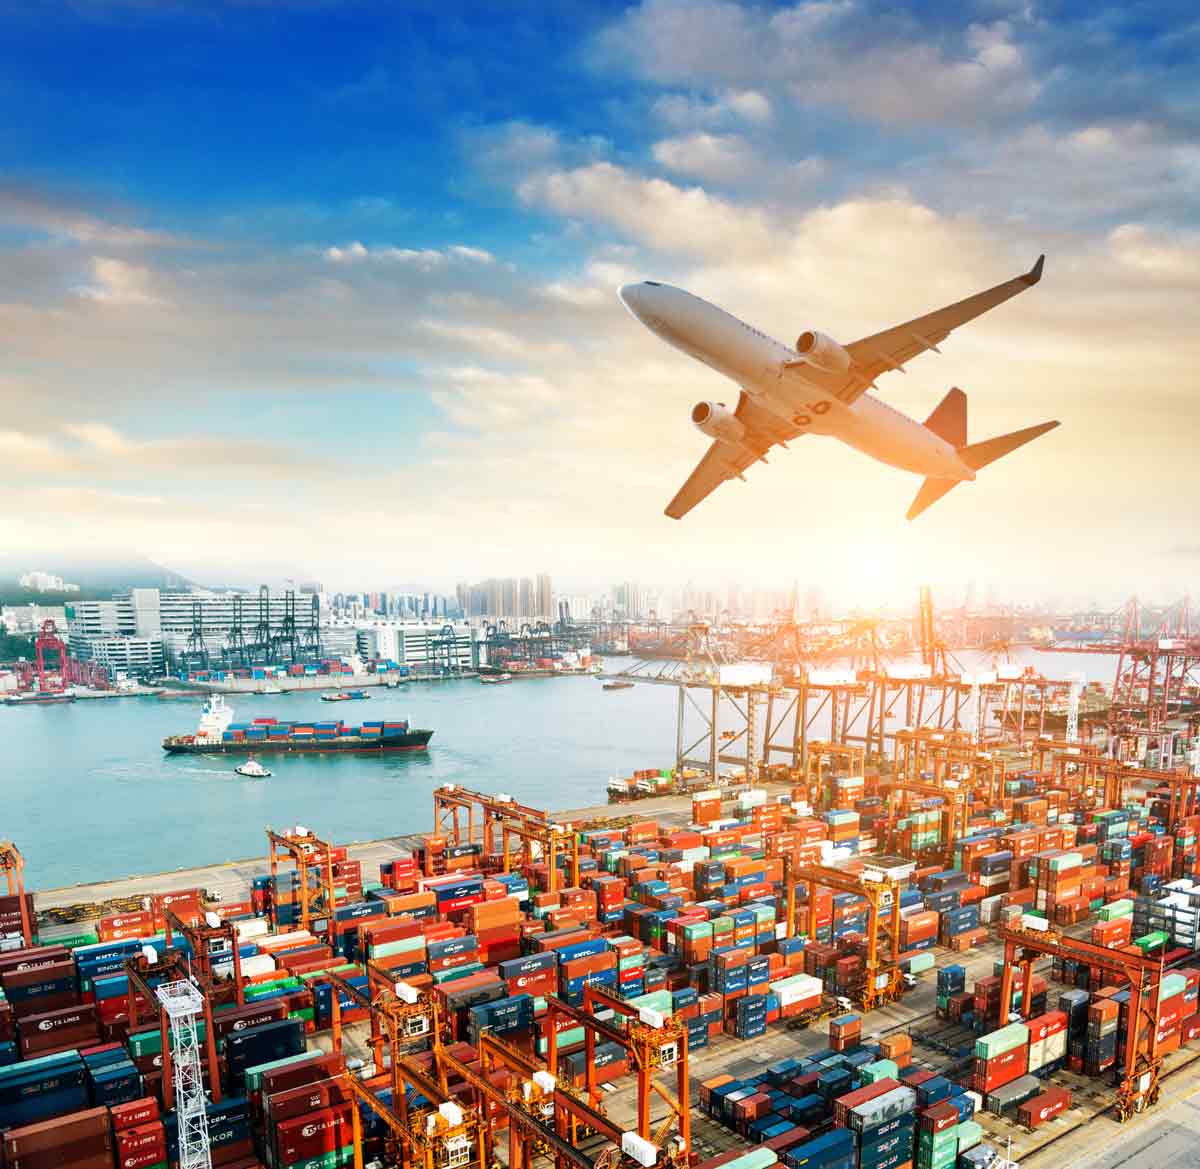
(219, 734)
(40, 698)
(345, 696)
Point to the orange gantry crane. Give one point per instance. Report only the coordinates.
(13, 864)
(955, 811)
(653, 1043)
(821, 753)
(1139, 1087)
(512, 822)
(208, 941)
(882, 979)
(453, 1133)
(315, 895)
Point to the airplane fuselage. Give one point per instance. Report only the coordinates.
(774, 376)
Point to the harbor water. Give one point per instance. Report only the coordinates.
(90, 794)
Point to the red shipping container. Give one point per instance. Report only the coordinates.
(1051, 1103)
(313, 1135)
(994, 1073)
(134, 1113)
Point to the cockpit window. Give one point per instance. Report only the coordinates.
(654, 283)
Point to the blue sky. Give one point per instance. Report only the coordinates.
(303, 260)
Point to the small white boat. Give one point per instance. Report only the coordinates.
(252, 769)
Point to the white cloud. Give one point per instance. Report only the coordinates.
(821, 54)
(117, 282)
(62, 218)
(652, 211)
(1170, 259)
(686, 111)
(719, 157)
(419, 257)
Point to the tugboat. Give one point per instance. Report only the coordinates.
(494, 679)
(618, 685)
(252, 769)
(219, 734)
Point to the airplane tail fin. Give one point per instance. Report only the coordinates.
(976, 455)
(949, 418)
(931, 491)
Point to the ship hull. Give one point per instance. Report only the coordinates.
(409, 741)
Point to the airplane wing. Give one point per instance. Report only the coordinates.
(725, 461)
(890, 349)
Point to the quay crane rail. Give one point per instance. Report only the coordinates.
(1139, 1087)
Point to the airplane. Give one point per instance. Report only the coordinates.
(820, 387)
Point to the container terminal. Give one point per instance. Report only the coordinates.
(957, 942)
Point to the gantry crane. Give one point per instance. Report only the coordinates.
(313, 859)
(13, 864)
(207, 941)
(442, 1137)
(529, 826)
(882, 980)
(820, 752)
(1139, 1087)
(653, 1043)
(955, 814)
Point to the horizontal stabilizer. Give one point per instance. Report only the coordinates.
(980, 454)
(949, 418)
(931, 491)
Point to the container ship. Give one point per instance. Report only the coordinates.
(219, 734)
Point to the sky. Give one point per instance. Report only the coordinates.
(327, 289)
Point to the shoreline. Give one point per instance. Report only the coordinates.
(231, 878)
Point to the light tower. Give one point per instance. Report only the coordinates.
(183, 1003)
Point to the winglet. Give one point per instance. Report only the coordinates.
(1035, 273)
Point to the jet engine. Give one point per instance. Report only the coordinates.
(823, 352)
(715, 420)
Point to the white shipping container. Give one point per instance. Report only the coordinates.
(252, 927)
(257, 964)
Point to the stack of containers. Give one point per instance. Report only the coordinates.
(937, 1136)
(845, 1031)
(883, 1128)
(1000, 1057)
(80, 1141)
(1100, 1051)
(1047, 1043)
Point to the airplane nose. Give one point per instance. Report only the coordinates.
(629, 294)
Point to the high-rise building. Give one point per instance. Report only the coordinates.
(545, 597)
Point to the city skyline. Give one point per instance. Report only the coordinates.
(371, 310)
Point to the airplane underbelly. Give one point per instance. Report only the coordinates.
(891, 438)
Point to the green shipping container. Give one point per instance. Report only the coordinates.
(150, 1042)
(969, 1135)
(1151, 941)
(759, 1158)
(339, 1157)
(254, 1075)
(1172, 984)
(881, 1069)
(1122, 908)
(998, 1042)
(76, 940)
(920, 962)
